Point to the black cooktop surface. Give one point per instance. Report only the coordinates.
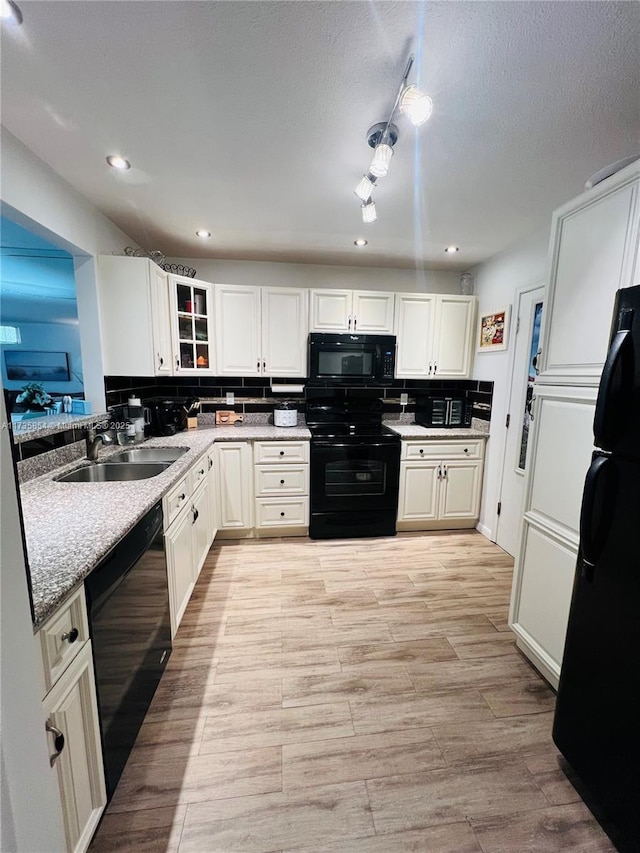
(355, 431)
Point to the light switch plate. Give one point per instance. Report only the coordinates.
(231, 398)
(404, 399)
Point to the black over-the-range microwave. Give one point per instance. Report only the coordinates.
(351, 359)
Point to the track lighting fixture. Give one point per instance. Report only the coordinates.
(417, 107)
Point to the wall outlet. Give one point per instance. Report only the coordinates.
(231, 398)
(404, 399)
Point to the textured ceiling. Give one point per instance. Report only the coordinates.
(249, 119)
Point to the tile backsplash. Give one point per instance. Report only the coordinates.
(253, 395)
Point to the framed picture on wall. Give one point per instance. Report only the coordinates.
(493, 330)
(30, 366)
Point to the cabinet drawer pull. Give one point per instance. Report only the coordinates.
(282, 453)
(210, 464)
(196, 513)
(282, 514)
(282, 482)
(435, 367)
(421, 450)
(58, 741)
(71, 636)
(182, 497)
(201, 471)
(466, 450)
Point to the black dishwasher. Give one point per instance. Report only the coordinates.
(128, 606)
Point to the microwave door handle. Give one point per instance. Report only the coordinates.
(447, 417)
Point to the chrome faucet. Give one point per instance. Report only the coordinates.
(94, 439)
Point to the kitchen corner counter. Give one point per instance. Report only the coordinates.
(71, 527)
(415, 431)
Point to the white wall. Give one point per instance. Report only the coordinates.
(31, 817)
(496, 281)
(268, 273)
(36, 197)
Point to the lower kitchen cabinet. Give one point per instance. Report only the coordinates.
(234, 463)
(440, 484)
(180, 569)
(73, 731)
(188, 535)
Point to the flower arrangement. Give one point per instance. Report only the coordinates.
(33, 397)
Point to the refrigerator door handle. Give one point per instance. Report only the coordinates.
(615, 389)
(591, 540)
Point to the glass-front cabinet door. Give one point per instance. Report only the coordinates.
(192, 325)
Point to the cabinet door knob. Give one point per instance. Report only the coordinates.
(195, 514)
(182, 497)
(264, 366)
(466, 450)
(435, 367)
(58, 741)
(177, 363)
(282, 514)
(282, 482)
(430, 368)
(71, 636)
(258, 365)
(282, 453)
(421, 450)
(160, 360)
(355, 323)
(210, 464)
(201, 471)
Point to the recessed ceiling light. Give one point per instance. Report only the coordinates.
(10, 12)
(118, 162)
(451, 250)
(360, 242)
(201, 232)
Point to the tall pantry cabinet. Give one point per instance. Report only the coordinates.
(594, 251)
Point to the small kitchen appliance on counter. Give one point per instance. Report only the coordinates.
(168, 415)
(285, 415)
(440, 411)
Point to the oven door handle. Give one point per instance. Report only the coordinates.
(351, 444)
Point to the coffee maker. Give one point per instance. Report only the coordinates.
(168, 415)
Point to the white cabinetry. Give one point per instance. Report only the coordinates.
(71, 712)
(440, 484)
(281, 479)
(234, 462)
(365, 311)
(191, 305)
(560, 448)
(188, 535)
(213, 495)
(134, 309)
(261, 331)
(435, 335)
(592, 253)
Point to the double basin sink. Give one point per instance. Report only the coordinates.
(137, 464)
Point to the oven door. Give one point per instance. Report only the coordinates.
(354, 477)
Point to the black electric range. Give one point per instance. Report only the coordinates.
(355, 469)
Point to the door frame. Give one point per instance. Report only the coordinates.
(535, 284)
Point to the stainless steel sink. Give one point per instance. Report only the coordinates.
(148, 454)
(108, 472)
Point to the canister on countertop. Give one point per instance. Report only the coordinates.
(285, 415)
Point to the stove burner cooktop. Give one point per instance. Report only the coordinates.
(355, 431)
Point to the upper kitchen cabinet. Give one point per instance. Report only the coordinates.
(261, 331)
(435, 336)
(191, 304)
(369, 312)
(134, 307)
(285, 326)
(592, 253)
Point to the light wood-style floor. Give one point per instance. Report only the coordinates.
(353, 696)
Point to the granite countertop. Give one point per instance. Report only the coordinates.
(47, 425)
(260, 432)
(415, 431)
(70, 527)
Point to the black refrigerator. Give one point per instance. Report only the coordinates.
(597, 718)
